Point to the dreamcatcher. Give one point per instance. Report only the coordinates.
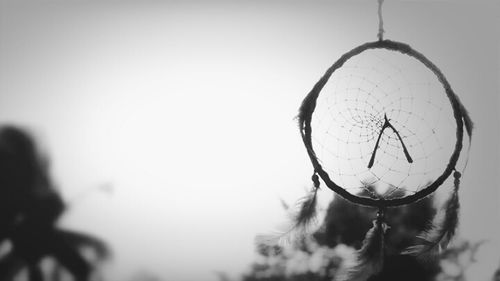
(383, 129)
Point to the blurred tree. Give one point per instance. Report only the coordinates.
(496, 276)
(456, 260)
(144, 275)
(29, 210)
(326, 252)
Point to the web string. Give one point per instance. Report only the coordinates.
(350, 115)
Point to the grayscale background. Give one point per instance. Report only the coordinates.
(170, 124)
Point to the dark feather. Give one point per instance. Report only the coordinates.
(441, 232)
(370, 257)
(450, 224)
(307, 212)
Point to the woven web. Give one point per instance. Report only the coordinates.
(351, 113)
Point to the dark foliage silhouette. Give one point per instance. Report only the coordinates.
(346, 224)
(496, 276)
(29, 210)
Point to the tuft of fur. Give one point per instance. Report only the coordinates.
(469, 125)
(370, 258)
(307, 107)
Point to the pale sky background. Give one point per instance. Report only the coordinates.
(186, 109)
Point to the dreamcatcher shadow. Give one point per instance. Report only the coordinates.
(384, 129)
(30, 208)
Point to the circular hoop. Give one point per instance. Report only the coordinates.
(309, 104)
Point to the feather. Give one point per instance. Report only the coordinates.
(370, 258)
(284, 204)
(300, 222)
(307, 212)
(442, 230)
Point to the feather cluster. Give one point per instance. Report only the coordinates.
(300, 221)
(307, 212)
(370, 258)
(441, 231)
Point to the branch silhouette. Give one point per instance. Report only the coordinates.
(388, 124)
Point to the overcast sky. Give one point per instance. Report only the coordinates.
(186, 112)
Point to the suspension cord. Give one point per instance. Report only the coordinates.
(381, 30)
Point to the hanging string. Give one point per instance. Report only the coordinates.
(381, 30)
